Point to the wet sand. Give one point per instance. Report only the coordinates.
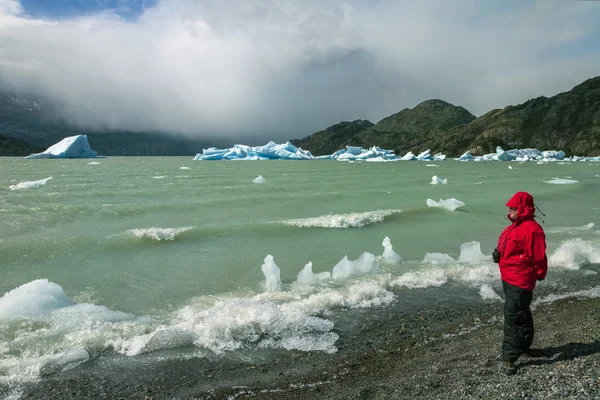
(412, 357)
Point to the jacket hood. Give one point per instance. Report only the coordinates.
(523, 202)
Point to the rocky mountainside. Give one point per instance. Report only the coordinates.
(34, 122)
(569, 121)
(15, 147)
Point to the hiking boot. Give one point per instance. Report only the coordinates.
(509, 367)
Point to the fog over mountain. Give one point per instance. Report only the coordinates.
(274, 69)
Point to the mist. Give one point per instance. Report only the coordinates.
(275, 70)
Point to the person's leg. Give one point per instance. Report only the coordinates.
(527, 329)
(518, 322)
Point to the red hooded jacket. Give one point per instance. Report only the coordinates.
(522, 246)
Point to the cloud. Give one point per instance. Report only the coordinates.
(279, 69)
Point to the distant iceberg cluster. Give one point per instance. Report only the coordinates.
(287, 151)
(524, 155)
(70, 147)
(376, 154)
(270, 151)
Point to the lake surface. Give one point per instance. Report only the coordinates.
(140, 255)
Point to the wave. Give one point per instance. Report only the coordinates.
(342, 221)
(159, 233)
(572, 254)
(572, 229)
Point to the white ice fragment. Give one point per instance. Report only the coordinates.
(272, 274)
(449, 204)
(29, 184)
(509, 167)
(389, 255)
(470, 252)
(438, 181)
(259, 179)
(307, 277)
(366, 263)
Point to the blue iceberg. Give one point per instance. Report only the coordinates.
(70, 147)
(270, 151)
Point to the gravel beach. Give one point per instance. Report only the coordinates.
(399, 358)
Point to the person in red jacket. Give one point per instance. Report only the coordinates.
(523, 262)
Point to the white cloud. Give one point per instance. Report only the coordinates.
(281, 68)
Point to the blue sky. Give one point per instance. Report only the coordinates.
(280, 69)
(63, 9)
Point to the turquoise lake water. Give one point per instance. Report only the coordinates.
(142, 254)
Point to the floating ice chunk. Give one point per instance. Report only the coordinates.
(431, 165)
(553, 154)
(509, 167)
(29, 184)
(466, 157)
(559, 181)
(389, 255)
(307, 277)
(34, 299)
(93, 163)
(470, 252)
(259, 179)
(449, 204)
(70, 147)
(365, 264)
(438, 181)
(409, 157)
(272, 274)
(184, 167)
(437, 258)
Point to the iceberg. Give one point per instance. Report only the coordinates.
(308, 277)
(389, 255)
(259, 179)
(70, 147)
(345, 268)
(435, 180)
(465, 157)
(449, 204)
(272, 274)
(29, 184)
(270, 151)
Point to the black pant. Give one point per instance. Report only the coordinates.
(518, 321)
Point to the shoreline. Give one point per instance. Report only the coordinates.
(394, 359)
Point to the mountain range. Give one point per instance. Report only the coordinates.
(568, 121)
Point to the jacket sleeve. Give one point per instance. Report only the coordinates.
(537, 249)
